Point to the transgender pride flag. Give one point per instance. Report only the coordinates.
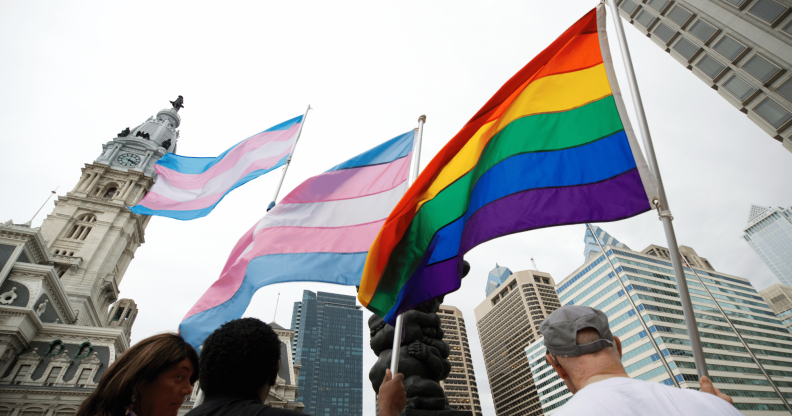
(190, 187)
(320, 232)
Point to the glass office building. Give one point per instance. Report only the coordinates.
(769, 233)
(779, 297)
(552, 391)
(329, 346)
(592, 248)
(641, 300)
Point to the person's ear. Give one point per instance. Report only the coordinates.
(557, 367)
(617, 341)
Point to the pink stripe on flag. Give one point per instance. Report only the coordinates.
(283, 240)
(351, 183)
(157, 201)
(193, 181)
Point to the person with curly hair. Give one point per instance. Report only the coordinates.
(239, 364)
(152, 378)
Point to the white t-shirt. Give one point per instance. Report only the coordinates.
(623, 396)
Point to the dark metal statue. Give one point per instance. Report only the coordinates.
(178, 103)
(143, 135)
(166, 144)
(423, 357)
(124, 133)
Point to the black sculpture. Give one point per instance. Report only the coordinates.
(124, 133)
(178, 103)
(143, 135)
(166, 144)
(423, 357)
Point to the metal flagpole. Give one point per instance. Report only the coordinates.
(30, 223)
(737, 332)
(635, 308)
(288, 160)
(663, 208)
(397, 331)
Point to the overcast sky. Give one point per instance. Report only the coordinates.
(74, 74)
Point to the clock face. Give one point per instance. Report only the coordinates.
(128, 159)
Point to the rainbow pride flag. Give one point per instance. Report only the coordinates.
(320, 232)
(552, 147)
(190, 187)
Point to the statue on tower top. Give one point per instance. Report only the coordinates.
(178, 103)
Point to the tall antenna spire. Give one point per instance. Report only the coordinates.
(534, 264)
(30, 223)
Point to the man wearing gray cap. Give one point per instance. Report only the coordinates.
(587, 356)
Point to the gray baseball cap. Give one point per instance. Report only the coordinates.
(561, 327)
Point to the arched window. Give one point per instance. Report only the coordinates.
(110, 192)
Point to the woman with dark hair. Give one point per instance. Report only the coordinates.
(152, 378)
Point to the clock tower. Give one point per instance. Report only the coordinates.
(91, 227)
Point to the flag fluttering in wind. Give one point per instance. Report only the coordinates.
(319, 232)
(552, 147)
(190, 187)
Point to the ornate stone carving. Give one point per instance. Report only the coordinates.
(41, 308)
(9, 297)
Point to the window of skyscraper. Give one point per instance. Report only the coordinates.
(785, 90)
(729, 48)
(679, 15)
(760, 68)
(645, 18)
(788, 28)
(685, 48)
(710, 66)
(702, 30)
(664, 33)
(739, 88)
(628, 6)
(772, 112)
(658, 5)
(767, 10)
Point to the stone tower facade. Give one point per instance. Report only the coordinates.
(91, 227)
(61, 323)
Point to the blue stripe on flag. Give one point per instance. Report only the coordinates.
(396, 148)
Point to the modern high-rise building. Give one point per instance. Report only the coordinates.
(63, 323)
(642, 303)
(552, 391)
(460, 386)
(740, 48)
(779, 297)
(592, 248)
(508, 321)
(329, 347)
(769, 233)
(496, 277)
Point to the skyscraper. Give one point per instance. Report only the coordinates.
(741, 48)
(496, 277)
(779, 297)
(769, 233)
(63, 321)
(508, 321)
(460, 386)
(329, 346)
(592, 248)
(552, 391)
(642, 303)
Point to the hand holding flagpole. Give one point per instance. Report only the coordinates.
(288, 159)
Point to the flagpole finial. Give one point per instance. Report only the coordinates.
(422, 118)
